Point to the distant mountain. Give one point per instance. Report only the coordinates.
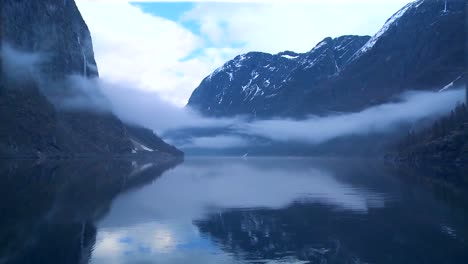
(255, 83)
(421, 47)
(56, 39)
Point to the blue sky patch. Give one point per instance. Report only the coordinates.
(172, 11)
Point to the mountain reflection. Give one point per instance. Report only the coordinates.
(49, 210)
(230, 210)
(272, 210)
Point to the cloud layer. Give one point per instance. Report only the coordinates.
(147, 109)
(413, 107)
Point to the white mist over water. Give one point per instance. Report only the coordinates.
(413, 107)
(147, 109)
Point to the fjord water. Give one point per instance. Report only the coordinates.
(232, 210)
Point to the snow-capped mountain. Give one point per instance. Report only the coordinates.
(252, 83)
(422, 46)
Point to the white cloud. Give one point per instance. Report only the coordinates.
(217, 142)
(414, 107)
(148, 51)
(147, 109)
(275, 26)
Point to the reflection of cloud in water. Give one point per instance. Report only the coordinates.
(156, 222)
(159, 243)
(196, 188)
(151, 237)
(154, 242)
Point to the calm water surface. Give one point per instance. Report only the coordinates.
(232, 210)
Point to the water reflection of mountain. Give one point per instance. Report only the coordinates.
(49, 210)
(317, 232)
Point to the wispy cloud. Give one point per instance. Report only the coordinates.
(19, 65)
(217, 142)
(413, 107)
(147, 109)
(161, 55)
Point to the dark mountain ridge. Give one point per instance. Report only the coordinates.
(256, 83)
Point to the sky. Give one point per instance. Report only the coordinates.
(168, 47)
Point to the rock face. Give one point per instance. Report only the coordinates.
(257, 83)
(421, 47)
(43, 44)
(53, 28)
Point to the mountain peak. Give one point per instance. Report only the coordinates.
(254, 80)
(421, 46)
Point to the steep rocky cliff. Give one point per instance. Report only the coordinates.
(44, 43)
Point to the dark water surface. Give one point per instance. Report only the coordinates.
(231, 210)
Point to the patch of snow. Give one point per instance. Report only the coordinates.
(446, 87)
(220, 69)
(239, 62)
(339, 48)
(254, 74)
(266, 83)
(450, 85)
(419, 3)
(139, 146)
(321, 44)
(244, 87)
(289, 57)
(272, 68)
(336, 66)
(309, 64)
(231, 77)
(146, 148)
(257, 91)
(221, 98)
(390, 22)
